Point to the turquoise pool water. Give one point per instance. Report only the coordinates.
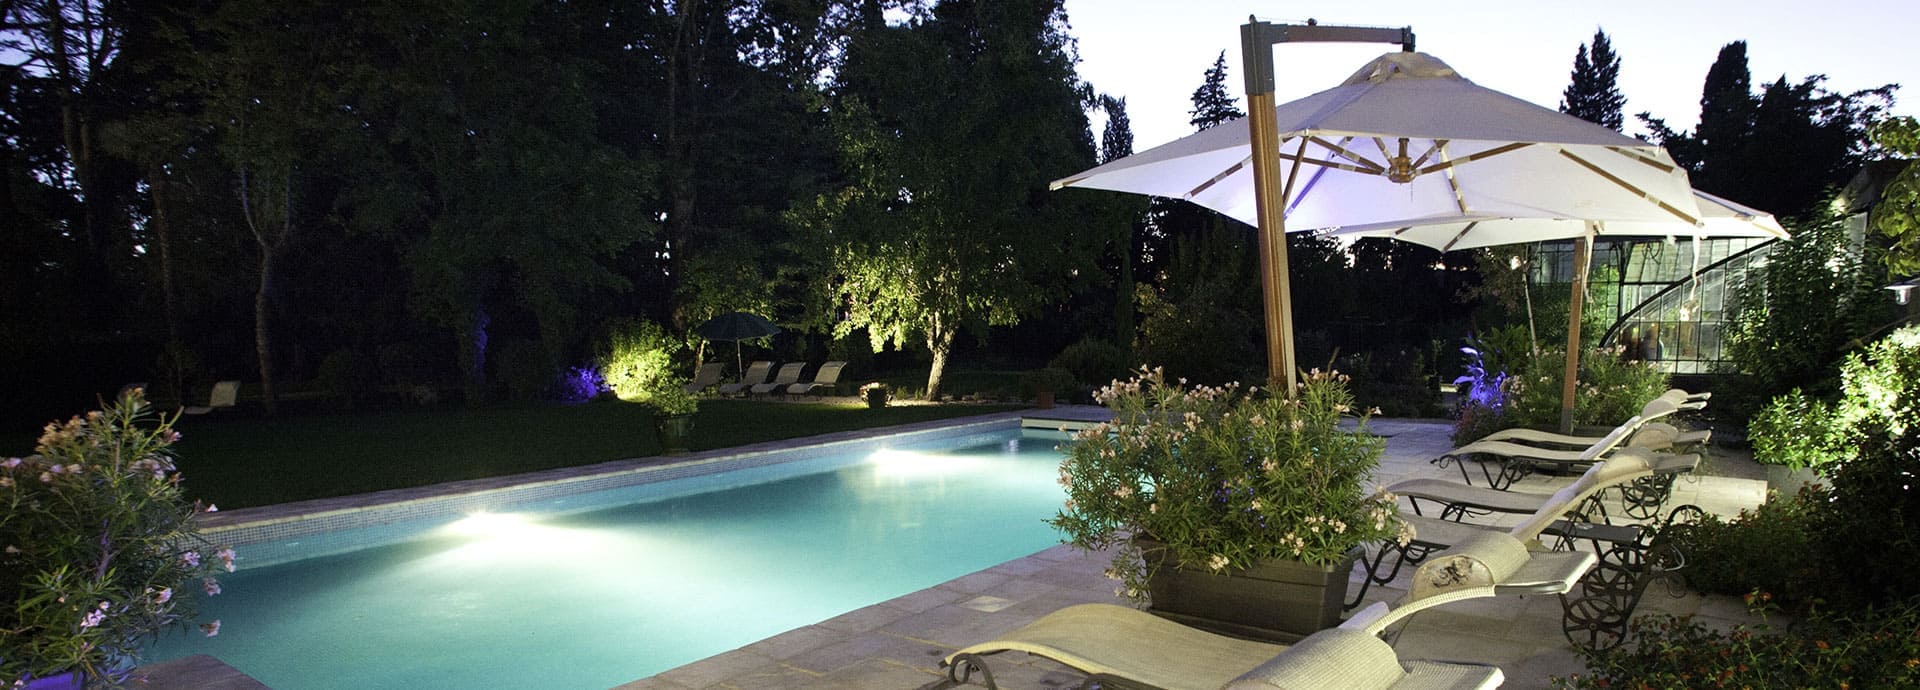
(600, 598)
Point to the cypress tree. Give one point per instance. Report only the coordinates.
(1595, 95)
(1116, 139)
(1212, 104)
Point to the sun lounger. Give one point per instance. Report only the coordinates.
(756, 374)
(827, 378)
(1122, 645)
(1670, 402)
(1457, 500)
(788, 375)
(1516, 460)
(707, 376)
(223, 396)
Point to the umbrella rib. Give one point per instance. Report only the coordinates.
(1294, 174)
(1456, 238)
(1311, 181)
(1469, 158)
(1224, 174)
(1343, 152)
(1610, 177)
(1438, 145)
(1652, 162)
(1453, 183)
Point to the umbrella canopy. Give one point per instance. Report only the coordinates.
(1408, 140)
(1718, 218)
(736, 326)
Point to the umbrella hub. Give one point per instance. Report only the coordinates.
(1400, 169)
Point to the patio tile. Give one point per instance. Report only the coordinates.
(714, 669)
(873, 674)
(977, 582)
(793, 642)
(854, 650)
(865, 619)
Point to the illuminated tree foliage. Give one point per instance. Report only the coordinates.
(1898, 215)
(949, 127)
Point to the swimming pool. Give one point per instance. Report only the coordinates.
(605, 595)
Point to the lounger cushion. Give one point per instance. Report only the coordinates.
(1139, 646)
(1333, 658)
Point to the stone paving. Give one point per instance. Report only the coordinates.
(898, 644)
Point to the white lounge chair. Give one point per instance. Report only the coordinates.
(223, 396)
(756, 374)
(788, 375)
(828, 377)
(707, 376)
(1126, 646)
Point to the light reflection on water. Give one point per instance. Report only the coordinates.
(597, 599)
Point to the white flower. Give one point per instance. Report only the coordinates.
(1218, 562)
(210, 629)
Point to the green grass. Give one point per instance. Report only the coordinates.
(238, 461)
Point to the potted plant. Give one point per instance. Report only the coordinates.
(101, 549)
(673, 409)
(876, 394)
(1231, 509)
(1042, 384)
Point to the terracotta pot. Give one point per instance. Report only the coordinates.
(1280, 600)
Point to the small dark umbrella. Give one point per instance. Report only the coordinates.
(736, 326)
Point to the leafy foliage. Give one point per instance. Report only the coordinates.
(102, 549)
(1093, 362)
(1875, 648)
(1514, 384)
(1224, 477)
(1796, 317)
(922, 242)
(1897, 216)
(637, 360)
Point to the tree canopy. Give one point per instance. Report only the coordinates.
(1595, 95)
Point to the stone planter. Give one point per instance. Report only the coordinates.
(676, 433)
(1276, 601)
(877, 397)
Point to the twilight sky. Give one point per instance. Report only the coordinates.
(1154, 52)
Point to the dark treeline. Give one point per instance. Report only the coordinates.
(460, 192)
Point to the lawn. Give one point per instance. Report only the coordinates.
(236, 460)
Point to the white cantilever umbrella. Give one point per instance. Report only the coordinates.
(1407, 141)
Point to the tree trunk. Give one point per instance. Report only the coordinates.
(170, 299)
(263, 326)
(940, 342)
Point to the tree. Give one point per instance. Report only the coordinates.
(1116, 139)
(1116, 142)
(949, 128)
(1594, 95)
(1212, 104)
(1779, 150)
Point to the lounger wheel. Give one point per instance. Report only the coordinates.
(1644, 496)
(1616, 574)
(1594, 624)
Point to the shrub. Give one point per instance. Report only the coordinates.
(1512, 385)
(1093, 362)
(102, 548)
(1049, 379)
(348, 377)
(1224, 478)
(637, 356)
(1871, 528)
(1873, 649)
(1772, 548)
(1796, 431)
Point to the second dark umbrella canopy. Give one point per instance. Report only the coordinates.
(736, 326)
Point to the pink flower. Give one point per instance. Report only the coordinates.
(210, 629)
(211, 586)
(94, 617)
(163, 596)
(226, 557)
(191, 558)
